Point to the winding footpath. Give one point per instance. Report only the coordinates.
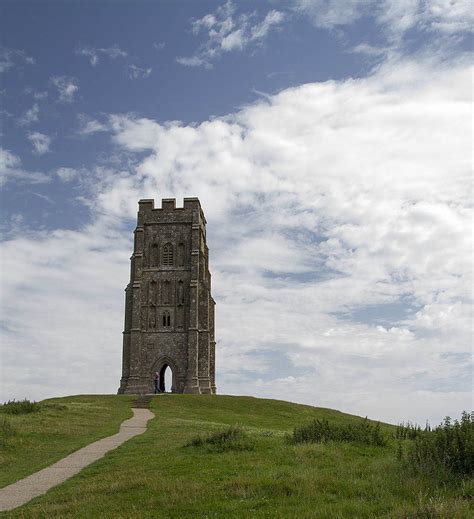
(39, 483)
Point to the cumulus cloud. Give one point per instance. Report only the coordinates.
(66, 87)
(40, 141)
(226, 31)
(11, 170)
(94, 54)
(325, 203)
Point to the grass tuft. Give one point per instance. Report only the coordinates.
(6, 431)
(322, 431)
(232, 438)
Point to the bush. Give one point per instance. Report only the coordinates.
(321, 431)
(409, 431)
(449, 448)
(230, 438)
(20, 407)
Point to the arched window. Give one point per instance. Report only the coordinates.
(168, 255)
(166, 319)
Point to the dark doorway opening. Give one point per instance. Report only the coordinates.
(166, 379)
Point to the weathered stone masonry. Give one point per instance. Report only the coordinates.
(169, 310)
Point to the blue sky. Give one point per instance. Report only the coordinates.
(329, 143)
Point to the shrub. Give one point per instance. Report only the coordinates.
(20, 407)
(449, 448)
(230, 438)
(409, 431)
(321, 431)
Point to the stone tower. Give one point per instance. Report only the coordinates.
(169, 310)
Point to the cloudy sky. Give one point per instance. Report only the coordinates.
(329, 143)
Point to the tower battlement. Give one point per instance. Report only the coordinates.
(169, 310)
(146, 206)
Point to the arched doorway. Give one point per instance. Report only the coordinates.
(169, 374)
(166, 379)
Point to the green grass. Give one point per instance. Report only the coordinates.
(162, 473)
(31, 441)
(20, 407)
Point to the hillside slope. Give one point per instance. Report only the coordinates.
(159, 474)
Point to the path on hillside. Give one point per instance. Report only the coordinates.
(39, 483)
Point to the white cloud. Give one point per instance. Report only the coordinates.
(261, 30)
(30, 116)
(135, 72)
(66, 86)
(226, 31)
(40, 141)
(10, 58)
(37, 95)
(159, 46)
(40, 95)
(94, 54)
(8, 160)
(370, 50)
(67, 174)
(11, 170)
(396, 17)
(323, 202)
(88, 125)
(450, 16)
(328, 14)
(193, 61)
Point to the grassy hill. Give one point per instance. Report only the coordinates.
(172, 471)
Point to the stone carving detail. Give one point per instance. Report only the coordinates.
(152, 317)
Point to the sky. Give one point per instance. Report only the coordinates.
(330, 146)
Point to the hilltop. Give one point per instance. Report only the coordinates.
(172, 471)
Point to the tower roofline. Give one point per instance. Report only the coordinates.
(169, 204)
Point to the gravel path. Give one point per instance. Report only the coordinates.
(39, 483)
